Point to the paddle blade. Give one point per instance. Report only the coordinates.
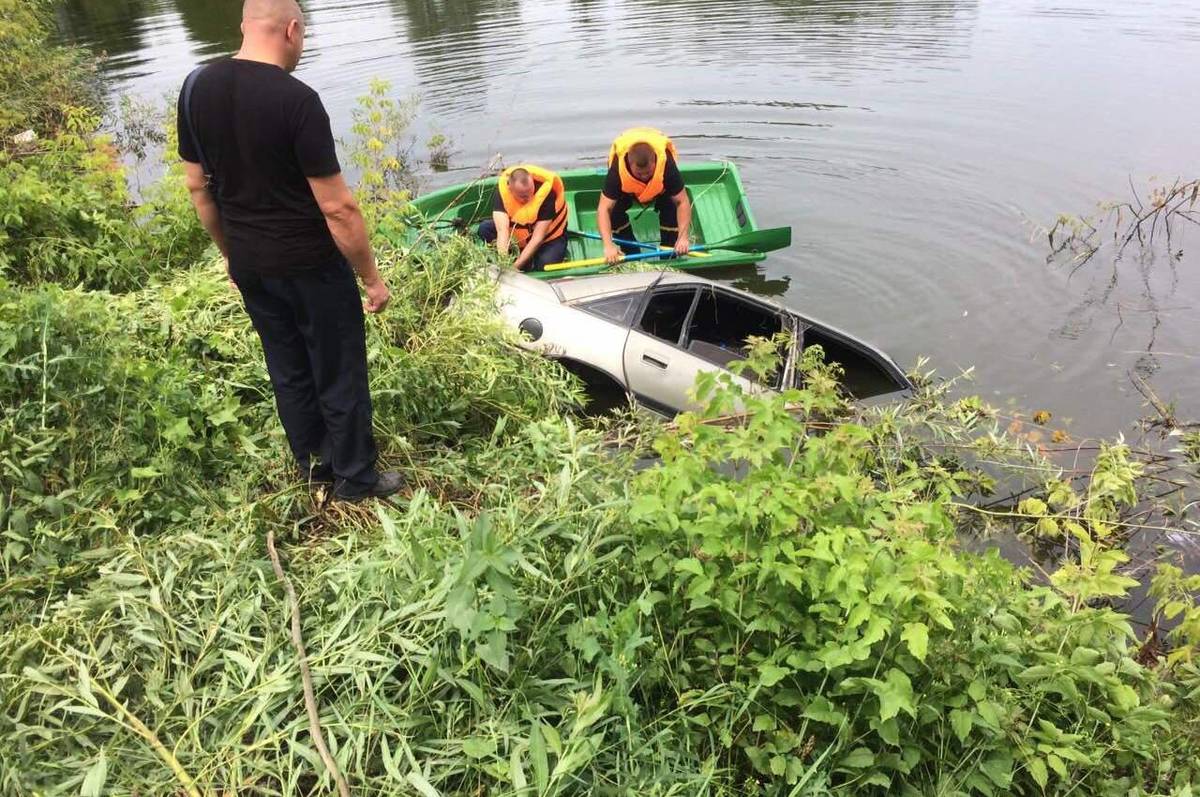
(756, 241)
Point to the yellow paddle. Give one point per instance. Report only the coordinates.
(756, 241)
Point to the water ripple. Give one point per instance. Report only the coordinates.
(907, 141)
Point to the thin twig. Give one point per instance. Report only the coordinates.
(1024, 516)
(310, 700)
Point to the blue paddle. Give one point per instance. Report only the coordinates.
(755, 241)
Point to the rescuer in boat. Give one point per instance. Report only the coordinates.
(642, 168)
(530, 207)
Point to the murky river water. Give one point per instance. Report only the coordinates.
(909, 143)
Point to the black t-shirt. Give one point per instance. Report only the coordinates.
(672, 180)
(545, 213)
(263, 133)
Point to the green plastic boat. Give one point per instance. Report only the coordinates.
(720, 212)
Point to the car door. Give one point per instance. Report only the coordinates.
(721, 326)
(683, 331)
(658, 371)
(867, 372)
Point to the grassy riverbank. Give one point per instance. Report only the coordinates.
(533, 618)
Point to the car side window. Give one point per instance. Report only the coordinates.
(721, 325)
(666, 313)
(617, 308)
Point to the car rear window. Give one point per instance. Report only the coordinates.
(617, 308)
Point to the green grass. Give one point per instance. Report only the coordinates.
(778, 602)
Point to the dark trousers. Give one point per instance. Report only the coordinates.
(312, 332)
(668, 221)
(549, 252)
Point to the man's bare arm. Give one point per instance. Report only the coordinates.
(345, 222)
(531, 246)
(684, 208)
(202, 200)
(349, 231)
(604, 225)
(503, 233)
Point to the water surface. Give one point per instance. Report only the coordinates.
(909, 143)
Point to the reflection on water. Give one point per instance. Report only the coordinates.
(108, 26)
(212, 24)
(455, 44)
(908, 142)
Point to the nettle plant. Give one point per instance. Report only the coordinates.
(821, 632)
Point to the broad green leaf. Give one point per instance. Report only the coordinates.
(1037, 771)
(990, 713)
(771, 674)
(917, 637)
(479, 747)
(859, 758)
(889, 731)
(998, 768)
(1124, 697)
(895, 695)
(821, 710)
(961, 721)
(1037, 673)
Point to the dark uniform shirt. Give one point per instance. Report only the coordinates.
(263, 133)
(672, 180)
(545, 213)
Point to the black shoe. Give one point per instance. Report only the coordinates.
(389, 483)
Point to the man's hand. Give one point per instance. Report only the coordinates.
(378, 296)
(612, 254)
(682, 245)
(229, 276)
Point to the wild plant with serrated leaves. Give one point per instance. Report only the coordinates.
(854, 646)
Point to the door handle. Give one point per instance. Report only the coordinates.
(651, 360)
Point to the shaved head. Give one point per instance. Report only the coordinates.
(521, 183)
(273, 31)
(273, 12)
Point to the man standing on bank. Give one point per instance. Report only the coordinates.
(642, 168)
(266, 183)
(530, 207)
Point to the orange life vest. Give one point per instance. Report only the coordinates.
(662, 146)
(523, 216)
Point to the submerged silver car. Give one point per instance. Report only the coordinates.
(648, 335)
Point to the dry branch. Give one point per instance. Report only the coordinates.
(310, 700)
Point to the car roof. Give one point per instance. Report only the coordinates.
(574, 289)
